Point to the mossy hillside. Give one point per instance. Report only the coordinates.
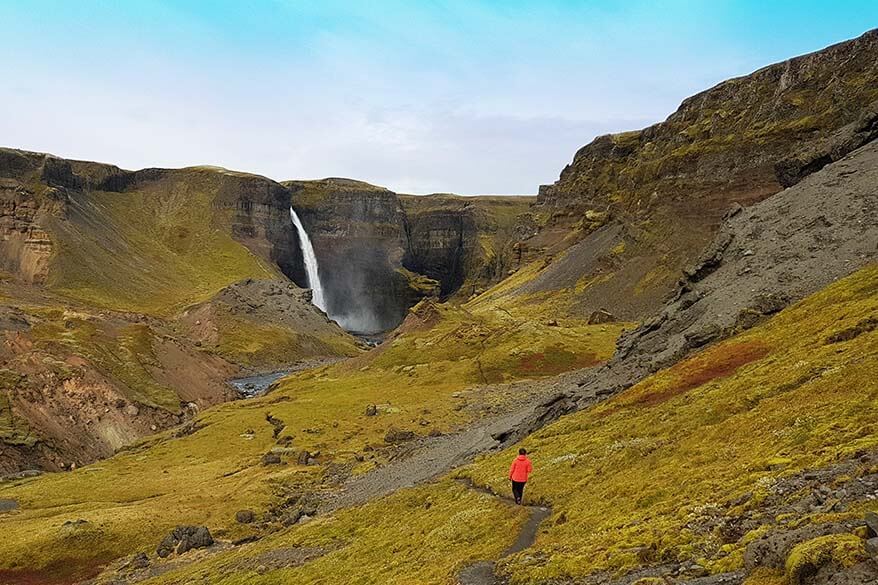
(419, 535)
(258, 345)
(135, 497)
(121, 351)
(155, 249)
(724, 139)
(13, 429)
(639, 471)
(490, 345)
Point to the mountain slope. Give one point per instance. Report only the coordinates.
(633, 209)
(98, 263)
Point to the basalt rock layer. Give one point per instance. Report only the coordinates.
(380, 252)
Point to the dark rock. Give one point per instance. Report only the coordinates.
(872, 547)
(303, 457)
(762, 306)
(183, 539)
(138, 561)
(772, 550)
(710, 259)
(371, 410)
(245, 516)
(865, 326)
(395, 436)
(601, 316)
(872, 523)
(271, 458)
(703, 336)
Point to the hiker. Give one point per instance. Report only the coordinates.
(521, 468)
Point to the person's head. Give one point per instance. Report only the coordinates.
(522, 451)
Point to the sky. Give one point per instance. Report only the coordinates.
(472, 97)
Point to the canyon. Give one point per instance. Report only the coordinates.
(682, 329)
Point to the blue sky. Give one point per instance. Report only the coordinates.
(471, 96)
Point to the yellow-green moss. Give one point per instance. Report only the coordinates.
(639, 469)
(840, 550)
(154, 250)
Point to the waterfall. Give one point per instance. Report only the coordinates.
(310, 263)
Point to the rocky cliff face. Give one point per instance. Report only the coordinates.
(380, 252)
(465, 243)
(651, 199)
(358, 233)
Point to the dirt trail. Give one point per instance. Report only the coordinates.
(482, 572)
(433, 458)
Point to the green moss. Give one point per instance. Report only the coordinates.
(445, 527)
(154, 250)
(122, 352)
(676, 446)
(839, 550)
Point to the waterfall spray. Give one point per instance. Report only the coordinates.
(310, 263)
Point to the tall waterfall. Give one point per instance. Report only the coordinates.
(310, 263)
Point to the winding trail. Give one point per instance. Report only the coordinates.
(483, 572)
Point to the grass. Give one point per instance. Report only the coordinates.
(640, 470)
(446, 527)
(637, 473)
(260, 344)
(137, 496)
(122, 351)
(150, 250)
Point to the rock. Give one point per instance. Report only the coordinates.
(138, 561)
(872, 547)
(601, 316)
(371, 410)
(395, 436)
(131, 410)
(703, 336)
(245, 516)
(872, 523)
(271, 458)
(303, 457)
(771, 551)
(183, 539)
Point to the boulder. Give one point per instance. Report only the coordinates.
(601, 316)
(872, 523)
(271, 458)
(183, 539)
(395, 436)
(245, 516)
(371, 410)
(703, 336)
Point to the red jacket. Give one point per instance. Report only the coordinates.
(520, 469)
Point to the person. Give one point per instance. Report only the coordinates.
(518, 474)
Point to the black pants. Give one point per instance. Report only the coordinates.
(518, 490)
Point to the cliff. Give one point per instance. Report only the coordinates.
(380, 252)
(649, 200)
